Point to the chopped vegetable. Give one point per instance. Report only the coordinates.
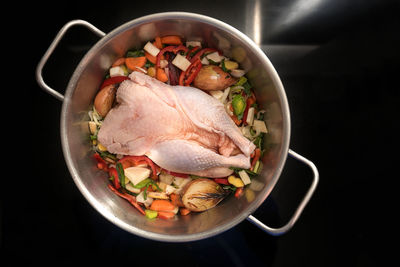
(184, 211)
(257, 153)
(135, 62)
(171, 39)
(161, 76)
(260, 126)
(113, 80)
(215, 57)
(120, 61)
(151, 49)
(136, 174)
(245, 177)
(117, 71)
(237, 182)
(193, 44)
(158, 43)
(165, 215)
(150, 58)
(250, 116)
(187, 77)
(230, 65)
(181, 62)
(162, 205)
(239, 105)
(151, 214)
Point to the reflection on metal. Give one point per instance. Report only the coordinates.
(253, 25)
(298, 11)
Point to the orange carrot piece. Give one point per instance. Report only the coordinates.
(157, 43)
(151, 58)
(162, 205)
(161, 75)
(236, 120)
(171, 39)
(184, 211)
(133, 62)
(165, 214)
(119, 62)
(176, 200)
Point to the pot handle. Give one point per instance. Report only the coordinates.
(50, 50)
(299, 210)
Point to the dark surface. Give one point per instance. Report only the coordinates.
(338, 61)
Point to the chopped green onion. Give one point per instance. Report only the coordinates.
(135, 53)
(121, 174)
(239, 105)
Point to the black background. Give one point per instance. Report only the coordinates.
(338, 61)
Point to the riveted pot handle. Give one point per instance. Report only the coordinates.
(50, 50)
(303, 203)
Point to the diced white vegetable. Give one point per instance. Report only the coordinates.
(146, 202)
(130, 188)
(151, 49)
(181, 62)
(245, 177)
(214, 57)
(237, 73)
(205, 61)
(250, 116)
(158, 195)
(166, 178)
(169, 189)
(225, 95)
(193, 43)
(180, 183)
(259, 126)
(136, 174)
(217, 94)
(163, 63)
(117, 71)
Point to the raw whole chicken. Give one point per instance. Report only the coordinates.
(182, 129)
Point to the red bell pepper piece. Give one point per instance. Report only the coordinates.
(202, 52)
(172, 48)
(131, 161)
(221, 181)
(101, 163)
(113, 80)
(187, 77)
(177, 174)
(131, 199)
(250, 101)
(193, 51)
(113, 173)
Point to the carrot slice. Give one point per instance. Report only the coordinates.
(158, 43)
(133, 62)
(184, 211)
(171, 39)
(162, 205)
(161, 75)
(151, 58)
(165, 214)
(176, 200)
(119, 62)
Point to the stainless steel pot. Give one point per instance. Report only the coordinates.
(86, 80)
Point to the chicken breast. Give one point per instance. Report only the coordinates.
(182, 129)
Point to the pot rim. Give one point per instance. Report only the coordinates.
(181, 237)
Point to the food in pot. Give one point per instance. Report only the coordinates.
(175, 130)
